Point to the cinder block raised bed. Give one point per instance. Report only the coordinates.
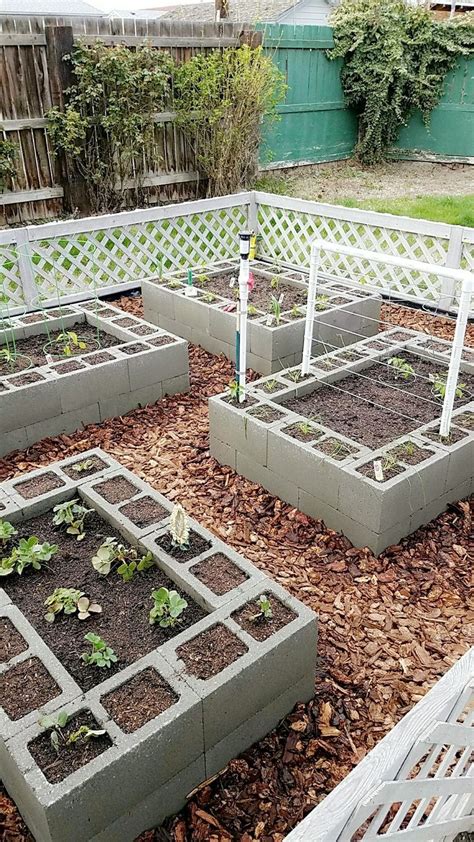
(126, 363)
(180, 701)
(343, 314)
(315, 442)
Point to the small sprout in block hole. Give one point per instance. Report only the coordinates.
(401, 368)
(321, 302)
(28, 553)
(252, 310)
(179, 527)
(58, 739)
(275, 282)
(7, 356)
(439, 387)
(7, 531)
(271, 385)
(275, 309)
(305, 428)
(175, 284)
(294, 375)
(70, 343)
(295, 312)
(168, 607)
(101, 655)
(209, 297)
(125, 559)
(265, 609)
(408, 448)
(234, 390)
(72, 513)
(70, 601)
(389, 462)
(202, 279)
(80, 467)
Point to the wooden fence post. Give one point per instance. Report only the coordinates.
(251, 37)
(59, 43)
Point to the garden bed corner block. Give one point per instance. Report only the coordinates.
(309, 463)
(231, 675)
(344, 313)
(139, 364)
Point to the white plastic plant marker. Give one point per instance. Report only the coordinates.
(378, 470)
(243, 302)
(308, 328)
(467, 290)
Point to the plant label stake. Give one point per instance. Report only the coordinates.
(309, 322)
(241, 336)
(189, 290)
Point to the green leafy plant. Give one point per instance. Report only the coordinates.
(264, 609)
(125, 560)
(271, 385)
(275, 282)
(321, 302)
(395, 59)
(175, 284)
(28, 553)
(100, 655)
(294, 375)
(295, 313)
(8, 156)
(85, 465)
(202, 279)
(8, 356)
(438, 388)
(401, 367)
(221, 99)
(233, 389)
(70, 601)
(275, 309)
(179, 527)
(73, 514)
(69, 343)
(167, 607)
(305, 428)
(107, 130)
(252, 310)
(7, 531)
(58, 739)
(209, 297)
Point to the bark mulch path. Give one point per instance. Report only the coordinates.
(389, 627)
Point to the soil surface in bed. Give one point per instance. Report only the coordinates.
(123, 623)
(31, 350)
(375, 407)
(262, 293)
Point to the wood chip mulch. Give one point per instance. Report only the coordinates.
(388, 627)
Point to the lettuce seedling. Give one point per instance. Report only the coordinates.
(125, 560)
(401, 368)
(439, 387)
(101, 654)
(168, 607)
(72, 513)
(28, 553)
(86, 465)
(7, 531)
(70, 601)
(265, 608)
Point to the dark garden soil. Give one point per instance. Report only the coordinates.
(262, 293)
(267, 414)
(466, 420)
(67, 367)
(388, 473)
(219, 574)
(210, 652)
(163, 340)
(33, 346)
(26, 687)
(196, 545)
(335, 448)
(144, 511)
(58, 765)
(39, 485)
(137, 701)
(123, 623)
(389, 627)
(11, 641)
(77, 470)
(136, 348)
(348, 407)
(299, 431)
(410, 453)
(116, 489)
(251, 619)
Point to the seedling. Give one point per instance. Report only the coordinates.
(202, 279)
(305, 428)
(101, 655)
(209, 297)
(322, 302)
(275, 283)
(252, 310)
(80, 467)
(125, 560)
(28, 553)
(8, 356)
(167, 608)
(70, 342)
(70, 601)
(175, 284)
(179, 528)
(271, 385)
(7, 531)
(401, 368)
(408, 448)
(72, 513)
(234, 390)
(294, 375)
(58, 739)
(275, 309)
(389, 462)
(265, 609)
(439, 387)
(295, 312)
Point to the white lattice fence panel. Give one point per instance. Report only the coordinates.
(94, 260)
(286, 234)
(417, 784)
(11, 289)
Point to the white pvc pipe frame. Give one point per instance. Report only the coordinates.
(244, 272)
(467, 290)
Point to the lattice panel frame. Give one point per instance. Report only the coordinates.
(11, 284)
(95, 260)
(286, 234)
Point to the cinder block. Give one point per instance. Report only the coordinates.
(274, 483)
(224, 453)
(25, 405)
(233, 426)
(104, 380)
(66, 422)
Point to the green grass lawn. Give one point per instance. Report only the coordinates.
(455, 210)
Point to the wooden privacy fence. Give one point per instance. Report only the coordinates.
(34, 75)
(77, 259)
(417, 784)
